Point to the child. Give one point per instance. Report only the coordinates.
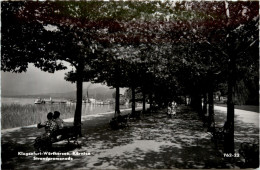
(172, 109)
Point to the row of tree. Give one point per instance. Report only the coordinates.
(164, 49)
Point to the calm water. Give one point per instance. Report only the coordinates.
(87, 108)
(21, 101)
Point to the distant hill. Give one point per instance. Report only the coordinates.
(100, 93)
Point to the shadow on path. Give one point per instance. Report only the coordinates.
(153, 142)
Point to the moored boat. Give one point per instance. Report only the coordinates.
(39, 101)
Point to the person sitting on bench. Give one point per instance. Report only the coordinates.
(58, 120)
(54, 134)
(49, 125)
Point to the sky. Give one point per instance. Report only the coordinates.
(35, 81)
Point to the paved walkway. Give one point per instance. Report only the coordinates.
(153, 142)
(241, 115)
(246, 125)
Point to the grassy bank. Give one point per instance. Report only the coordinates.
(16, 115)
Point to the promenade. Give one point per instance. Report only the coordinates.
(155, 142)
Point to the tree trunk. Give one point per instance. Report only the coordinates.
(199, 105)
(229, 145)
(143, 100)
(117, 108)
(133, 100)
(205, 104)
(77, 115)
(151, 101)
(205, 109)
(192, 101)
(196, 103)
(229, 137)
(211, 106)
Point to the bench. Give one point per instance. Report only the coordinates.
(119, 122)
(136, 115)
(250, 152)
(218, 135)
(44, 143)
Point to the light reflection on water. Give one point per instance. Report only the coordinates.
(88, 108)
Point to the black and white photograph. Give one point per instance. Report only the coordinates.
(135, 84)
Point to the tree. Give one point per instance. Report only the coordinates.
(166, 48)
(49, 34)
(235, 46)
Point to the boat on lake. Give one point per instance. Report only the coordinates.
(39, 101)
(50, 101)
(106, 103)
(63, 101)
(97, 102)
(86, 101)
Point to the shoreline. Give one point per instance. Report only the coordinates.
(68, 120)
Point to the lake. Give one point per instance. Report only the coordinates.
(17, 112)
(22, 101)
(87, 108)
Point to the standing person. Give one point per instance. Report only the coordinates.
(169, 110)
(174, 104)
(174, 108)
(58, 120)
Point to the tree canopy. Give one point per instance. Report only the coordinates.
(167, 48)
